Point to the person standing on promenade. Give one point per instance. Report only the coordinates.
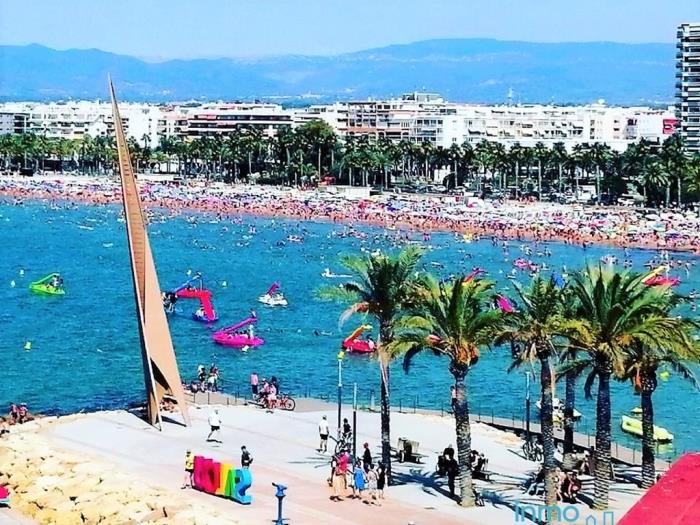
(189, 469)
(214, 425)
(246, 458)
(452, 468)
(323, 431)
(254, 382)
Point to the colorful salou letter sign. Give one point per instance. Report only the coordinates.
(222, 479)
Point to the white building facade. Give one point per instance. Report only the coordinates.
(688, 84)
(415, 117)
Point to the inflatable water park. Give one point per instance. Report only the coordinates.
(273, 297)
(353, 344)
(240, 335)
(51, 284)
(193, 289)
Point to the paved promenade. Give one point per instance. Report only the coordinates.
(283, 445)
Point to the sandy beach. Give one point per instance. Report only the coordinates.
(418, 215)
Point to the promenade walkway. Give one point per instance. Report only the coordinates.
(619, 453)
(283, 445)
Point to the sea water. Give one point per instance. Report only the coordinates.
(85, 350)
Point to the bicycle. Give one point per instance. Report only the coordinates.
(342, 444)
(283, 402)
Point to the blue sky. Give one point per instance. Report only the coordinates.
(214, 28)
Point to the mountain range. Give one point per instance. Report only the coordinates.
(465, 70)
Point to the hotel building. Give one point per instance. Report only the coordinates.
(688, 84)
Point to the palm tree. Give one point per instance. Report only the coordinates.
(641, 363)
(653, 177)
(454, 320)
(559, 156)
(542, 155)
(617, 312)
(534, 326)
(674, 157)
(381, 287)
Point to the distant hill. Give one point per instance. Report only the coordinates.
(469, 70)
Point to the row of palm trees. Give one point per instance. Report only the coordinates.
(605, 323)
(661, 173)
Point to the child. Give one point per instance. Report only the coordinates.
(359, 485)
(371, 484)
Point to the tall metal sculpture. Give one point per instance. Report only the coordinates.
(160, 370)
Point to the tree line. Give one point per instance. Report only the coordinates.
(602, 324)
(661, 174)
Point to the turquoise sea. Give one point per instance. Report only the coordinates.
(84, 347)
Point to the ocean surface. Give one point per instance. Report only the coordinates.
(84, 346)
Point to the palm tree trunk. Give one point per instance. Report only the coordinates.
(547, 427)
(668, 194)
(648, 467)
(678, 182)
(464, 438)
(569, 405)
(560, 178)
(539, 180)
(385, 424)
(602, 439)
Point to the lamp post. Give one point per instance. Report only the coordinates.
(527, 406)
(354, 422)
(341, 355)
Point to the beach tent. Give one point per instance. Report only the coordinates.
(674, 500)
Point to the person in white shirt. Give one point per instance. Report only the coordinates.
(214, 425)
(323, 431)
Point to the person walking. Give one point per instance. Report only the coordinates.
(381, 482)
(358, 488)
(366, 456)
(189, 469)
(323, 431)
(371, 477)
(246, 458)
(214, 425)
(254, 382)
(339, 481)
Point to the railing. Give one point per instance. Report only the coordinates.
(368, 400)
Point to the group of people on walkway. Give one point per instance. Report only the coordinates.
(568, 485)
(359, 480)
(205, 381)
(264, 391)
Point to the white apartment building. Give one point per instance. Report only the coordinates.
(220, 119)
(688, 83)
(415, 117)
(73, 120)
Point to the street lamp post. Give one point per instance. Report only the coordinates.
(341, 355)
(527, 406)
(354, 421)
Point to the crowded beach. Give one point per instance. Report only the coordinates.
(467, 217)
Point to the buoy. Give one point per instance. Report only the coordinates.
(189, 272)
(28, 345)
(224, 284)
(664, 375)
(12, 283)
(21, 272)
(341, 355)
